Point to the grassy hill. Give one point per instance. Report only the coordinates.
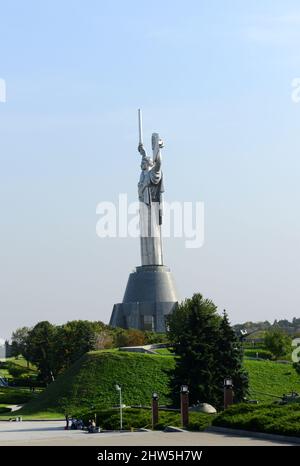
(91, 381)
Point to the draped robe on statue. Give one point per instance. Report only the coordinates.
(150, 190)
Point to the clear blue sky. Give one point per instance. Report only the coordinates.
(214, 78)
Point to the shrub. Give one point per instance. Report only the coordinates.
(270, 418)
(134, 418)
(16, 396)
(28, 383)
(4, 410)
(16, 371)
(261, 353)
(278, 342)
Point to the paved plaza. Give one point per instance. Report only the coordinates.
(53, 433)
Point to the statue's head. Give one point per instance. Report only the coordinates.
(146, 163)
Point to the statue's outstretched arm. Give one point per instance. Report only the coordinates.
(142, 150)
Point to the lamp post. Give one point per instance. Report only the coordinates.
(93, 408)
(154, 409)
(119, 389)
(228, 392)
(184, 405)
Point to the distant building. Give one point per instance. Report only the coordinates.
(5, 349)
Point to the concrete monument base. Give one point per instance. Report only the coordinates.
(149, 297)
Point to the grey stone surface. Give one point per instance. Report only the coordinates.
(150, 291)
(149, 349)
(151, 283)
(131, 315)
(29, 433)
(173, 429)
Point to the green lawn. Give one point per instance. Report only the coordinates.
(163, 352)
(39, 415)
(21, 361)
(271, 378)
(4, 373)
(15, 366)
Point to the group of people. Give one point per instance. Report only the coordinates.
(92, 428)
(78, 424)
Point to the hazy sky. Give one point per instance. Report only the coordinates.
(214, 78)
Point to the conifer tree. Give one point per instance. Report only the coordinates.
(229, 360)
(207, 350)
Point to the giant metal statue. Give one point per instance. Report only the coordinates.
(150, 189)
(150, 294)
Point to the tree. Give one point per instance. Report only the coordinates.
(205, 347)
(129, 337)
(74, 339)
(284, 323)
(154, 337)
(66, 406)
(41, 342)
(19, 342)
(193, 330)
(54, 348)
(277, 342)
(229, 359)
(296, 322)
(103, 340)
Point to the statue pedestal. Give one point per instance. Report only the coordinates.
(149, 297)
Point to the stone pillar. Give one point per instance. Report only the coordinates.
(154, 410)
(228, 393)
(184, 406)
